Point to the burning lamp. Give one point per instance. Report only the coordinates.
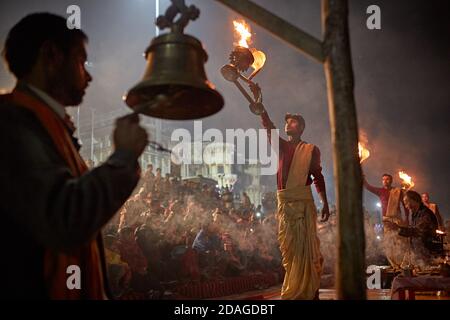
(174, 85)
(241, 59)
(362, 152)
(407, 182)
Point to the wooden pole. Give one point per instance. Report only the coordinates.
(301, 40)
(350, 276)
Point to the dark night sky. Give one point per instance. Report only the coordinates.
(402, 75)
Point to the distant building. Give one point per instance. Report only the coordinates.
(97, 144)
(212, 160)
(216, 161)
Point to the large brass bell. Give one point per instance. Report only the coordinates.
(175, 85)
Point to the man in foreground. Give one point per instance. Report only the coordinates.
(53, 207)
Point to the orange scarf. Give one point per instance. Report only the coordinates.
(86, 256)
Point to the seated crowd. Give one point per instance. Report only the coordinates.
(172, 232)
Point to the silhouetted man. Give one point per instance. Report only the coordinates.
(53, 207)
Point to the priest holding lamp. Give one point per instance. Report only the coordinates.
(298, 167)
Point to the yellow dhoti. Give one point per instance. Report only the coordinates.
(297, 234)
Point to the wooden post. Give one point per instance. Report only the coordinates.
(350, 276)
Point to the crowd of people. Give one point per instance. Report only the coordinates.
(173, 231)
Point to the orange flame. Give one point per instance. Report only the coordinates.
(260, 60)
(243, 32)
(363, 152)
(244, 35)
(406, 180)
